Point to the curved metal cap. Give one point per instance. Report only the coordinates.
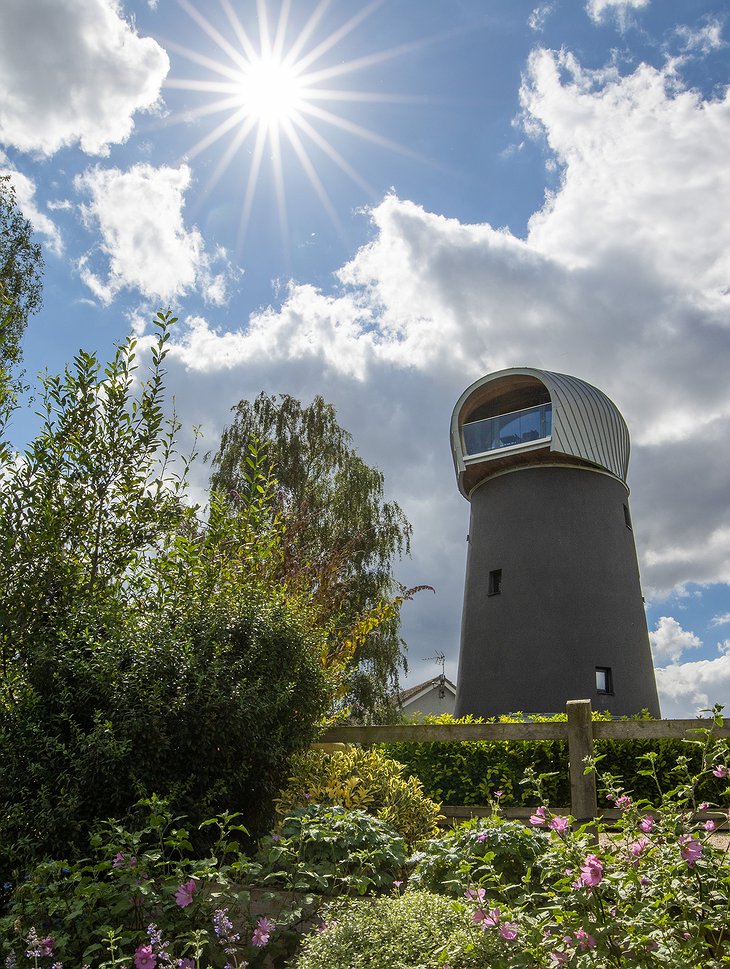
(586, 424)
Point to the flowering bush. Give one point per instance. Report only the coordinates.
(144, 899)
(653, 893)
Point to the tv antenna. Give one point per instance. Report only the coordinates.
(440, 680)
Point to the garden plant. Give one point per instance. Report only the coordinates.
(319, 893)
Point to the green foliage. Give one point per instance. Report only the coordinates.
(21, 268)
(500, 856)
(470, 772)
(362, 779)
(341, 536)
(417, 930)
(331, 851)
(140, 651)
(131, 880)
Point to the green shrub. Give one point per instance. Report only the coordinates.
(500, 856)
(469, 772)
(333, 851)
(367, 779)
(140, 651)
(416, 930)
(131, 880)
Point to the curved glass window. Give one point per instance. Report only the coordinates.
(508, 430)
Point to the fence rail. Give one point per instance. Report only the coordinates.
(580, 731)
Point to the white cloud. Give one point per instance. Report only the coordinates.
(601, 10)
(73, 71)
(145, 241)
(25, 194)
(686, 689)
(702, 40)
(536, 20)
(721, 620)
(669, 641)
(724, 646)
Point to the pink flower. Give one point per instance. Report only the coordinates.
(47, 945)
(690, 849)
(591, 871)
(185, 964)
(646, 823)
(144, 957)
(482, 837)
(559, 824)
(487, 920)
(584, 940)
(721, 771)
(479, 916)
(710, 825)
(637, 847)
(508, 931)
(560, 958)
(704, 806)
(492, 920)
(498, 794)
(118, 859)
(262, 932)
(397, 884)
(538, 817)
(623, 802)
(184, 893)
(475, 894)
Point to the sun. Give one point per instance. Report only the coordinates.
(271, 91)
(276, 89)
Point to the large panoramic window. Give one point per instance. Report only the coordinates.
(508, 430)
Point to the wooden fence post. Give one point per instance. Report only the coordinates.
(583, 803)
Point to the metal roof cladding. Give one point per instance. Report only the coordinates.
(586, 424)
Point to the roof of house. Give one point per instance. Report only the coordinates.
(414, 692)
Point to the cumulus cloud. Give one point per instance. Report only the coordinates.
(73, 71)
(669, 641)
(601, 10)
(721, 620)
(686, 689)
(145, 243)
(621, 279)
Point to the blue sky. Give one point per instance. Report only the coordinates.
(444, 188)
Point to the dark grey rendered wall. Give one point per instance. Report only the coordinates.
(570, 600)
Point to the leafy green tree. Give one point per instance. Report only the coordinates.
(142, 650)
(21, 269)
(341, 535)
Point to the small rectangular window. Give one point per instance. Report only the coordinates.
(495, 582)
(627, 516)
(604, 680)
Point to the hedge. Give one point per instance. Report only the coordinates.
(469, 772)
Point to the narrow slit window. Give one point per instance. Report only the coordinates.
(495, 582)
(627, 516)
(604, 680)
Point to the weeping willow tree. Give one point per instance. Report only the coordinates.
(342, 536)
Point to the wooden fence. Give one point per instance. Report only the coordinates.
(580, 731)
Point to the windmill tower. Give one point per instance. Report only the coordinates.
(553, 609)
